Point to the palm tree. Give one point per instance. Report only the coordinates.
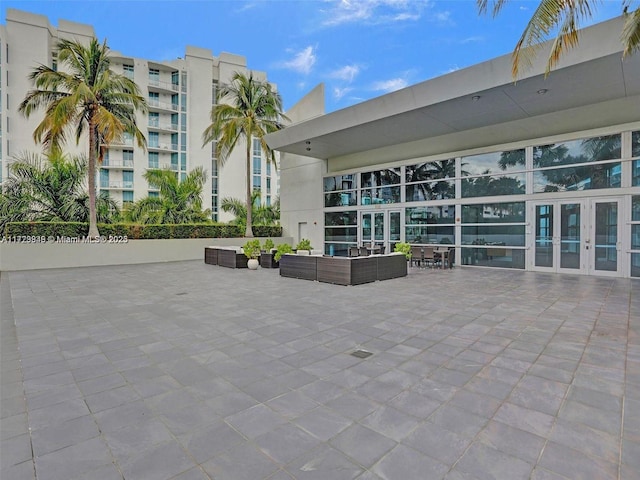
(178, 201)
(261, 214)
(563, 15)
(253, 109)
(89, 97)
(50, 189)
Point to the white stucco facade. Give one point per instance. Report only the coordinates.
(539, 174)
(180, 96)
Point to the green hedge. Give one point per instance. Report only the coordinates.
(136, 232)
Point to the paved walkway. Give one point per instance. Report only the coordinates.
(190, 371)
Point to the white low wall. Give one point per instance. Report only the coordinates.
(35, 256)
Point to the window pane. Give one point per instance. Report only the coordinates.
(498, 185)
(380, 178)
(495, 162)
(635, 173)
(494, 213)
(341, 234)
(442, 190)
(493, 235)
(635, 208)
(341, 218)
(586, 177)
(635, 144)
(430, 170)
(593, 149)
(382, 195)
(430, 215)
(339, 182)
(503, 257)
(436, 234)
(337, 249)
(338, 199)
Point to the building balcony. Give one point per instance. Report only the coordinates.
(167, 147)
(115, 164)
(162, 127)
(158, 106)
(158, 85)
(116, 185)
(170, 166)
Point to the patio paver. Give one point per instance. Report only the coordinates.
(190, 371)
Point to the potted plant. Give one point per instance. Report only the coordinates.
(252, 252)
(268, 245)
(404, 248)
(304, 247)
(281, 250)
(267, 255)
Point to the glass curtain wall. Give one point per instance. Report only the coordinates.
(478, 202)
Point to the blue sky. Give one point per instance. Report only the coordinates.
(360, 49)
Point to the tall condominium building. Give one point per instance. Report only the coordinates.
(180, 94)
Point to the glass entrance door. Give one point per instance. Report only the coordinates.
(579, 236)
(380, 227)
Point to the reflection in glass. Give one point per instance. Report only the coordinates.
(606, 236)
(585, 177)
(340, 218)
(495, 256)
(512, 235)
(595, 149)
(635, 144)
(380, 178)
(635, 264)
(439, 190)
(494, 213)
(544, 236)
(336, 199)
(635, 173)
(430, 215)
(570, 235)
(377, 196)
(379, 226)
(339, 182)
(497, 185)
(495, 162)
(635, 208)
(432, 234)
(394, 227)
(341, 234)
(430, 170)
(635, 237)
(338, 249)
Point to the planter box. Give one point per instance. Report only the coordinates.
(299, 266)
(232, 258)
(267, 261)
(346, 270)
(211, 255)
(393, 265)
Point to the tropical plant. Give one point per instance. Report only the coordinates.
(248, 109)
(281, 249)
(563, 16)
(85, 97)
(304, 244)
(177, 201)
(268, 245)
(261, 214)
(50, 189)
(252, 248)
(404, 248)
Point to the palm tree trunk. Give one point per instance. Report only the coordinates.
(249, 231)
(93, 149)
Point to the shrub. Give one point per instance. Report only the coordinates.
(268, 245)
(266, 230)
(281, 250)
(252, 248)
(304, 244)
(405, 248)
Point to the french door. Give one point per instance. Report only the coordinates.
(577, 236)
(380, 227)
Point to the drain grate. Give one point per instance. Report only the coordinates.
(181, 293)
(361, 354)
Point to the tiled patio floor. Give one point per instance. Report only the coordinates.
(190, 371)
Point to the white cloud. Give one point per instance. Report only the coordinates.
(389, 85)
(338, 92)
(302, 61)
(471, 40)
(373, 11)
(347, 73)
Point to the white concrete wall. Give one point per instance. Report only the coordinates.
(301, 197)
(25, 256)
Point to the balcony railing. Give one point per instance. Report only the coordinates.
(117, 163)
(163, 146)
(116, 185)
(164, 85)
(152, 102)
(163, 126)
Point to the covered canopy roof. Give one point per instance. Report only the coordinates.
(594, 73)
